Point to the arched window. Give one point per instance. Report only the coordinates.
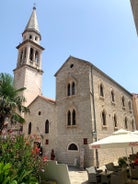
(115, 121)
(112, 96)
(126, 125)
(73, 88)
(68, 90)
(73, 117)
(21, 56)
(29, 128)
(30, 37)
(69, 118)
(47, 126)
(73, 147)
(24, 53)
(101, 90)
(103, 118)
(123, 101)
(36, 57)
(129, 105)
(31, 54)
(36, 38)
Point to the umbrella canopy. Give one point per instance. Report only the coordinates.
(119, 139)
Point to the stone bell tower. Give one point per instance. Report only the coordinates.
(28, 71)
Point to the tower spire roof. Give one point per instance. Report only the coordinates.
(32, 24)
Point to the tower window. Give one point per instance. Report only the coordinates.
(103, 118)
(21, 57)
(25, 53)
(71, 117)
(115, 121)
(129, 105)
(68, 92)
(47, 126)
(36, 57)
(31, 54)
(30, 37)
(101, 90)
(71, 88)
(123, 101)
(39, 113)
(71, 66)
(112, 96)
(126, 125)
(29, 128)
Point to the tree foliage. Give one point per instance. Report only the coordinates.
(11, 103)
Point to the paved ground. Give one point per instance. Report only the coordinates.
(78, 176)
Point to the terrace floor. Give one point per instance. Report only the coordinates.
(78, 176)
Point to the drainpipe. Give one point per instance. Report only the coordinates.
(94, 128)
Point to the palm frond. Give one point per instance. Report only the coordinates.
(11, 102)
(17, 118)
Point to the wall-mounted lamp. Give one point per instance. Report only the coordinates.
(94, 134)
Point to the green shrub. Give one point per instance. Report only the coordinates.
(7, 174)
(122, 161)
(20, 159)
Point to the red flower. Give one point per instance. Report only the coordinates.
(45, 158)
(37, 150)
(10, 131)
(33, 151)
(27, 143)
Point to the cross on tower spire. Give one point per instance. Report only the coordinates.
(34, 7)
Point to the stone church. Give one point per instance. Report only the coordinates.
(89, 104)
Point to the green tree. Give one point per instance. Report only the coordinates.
(11, 103)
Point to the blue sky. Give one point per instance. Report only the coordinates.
(99, 31)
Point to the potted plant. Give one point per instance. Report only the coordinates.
(122, 161)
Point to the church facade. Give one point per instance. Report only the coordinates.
(89, 105)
